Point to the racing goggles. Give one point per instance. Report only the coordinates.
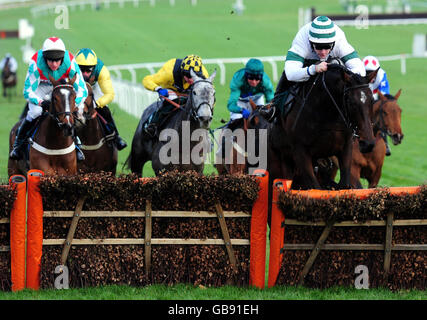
(323, 46)
(87, 69)
(251, 76)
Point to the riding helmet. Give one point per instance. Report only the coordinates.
(53, 49)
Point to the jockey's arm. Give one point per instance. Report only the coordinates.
(235, 92)
(31, 84)
(79, 85)
(161, 79)
(268, 88)
(295, 71)
(384, 85)
(106, 86)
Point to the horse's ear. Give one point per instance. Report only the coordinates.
(53, 81)
(71, 81)
(381, 96)
(347, 77)
(372, 75)
(194, 75)
(212, 76)
(253, 104)
(397, 95)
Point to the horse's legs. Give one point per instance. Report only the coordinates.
(304, 177)
(344, 160)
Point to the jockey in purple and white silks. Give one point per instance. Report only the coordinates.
(54, 60)
(315, 43)
(380, 83)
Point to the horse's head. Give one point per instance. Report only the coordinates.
(202, 99)
(358, 101)
(388, 116)
(63, 104)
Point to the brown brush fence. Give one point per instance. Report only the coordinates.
(325, 236)
(177, 228)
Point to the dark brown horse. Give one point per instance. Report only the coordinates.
(9, 80)
(52, 148)
(387, 121)
(331, 110)
(99, 149)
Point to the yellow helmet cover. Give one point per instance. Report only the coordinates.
(86, 57)
(192, 62)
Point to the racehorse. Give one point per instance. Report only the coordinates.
(99, 149)
(387, 121)
(180, 147)
(330, 110)
(239, 150)
(9, 80)
(52, 148)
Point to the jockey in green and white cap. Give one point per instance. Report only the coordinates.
(319, 40)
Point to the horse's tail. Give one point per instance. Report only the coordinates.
(24, 112)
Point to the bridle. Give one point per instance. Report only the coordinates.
(346, 104)
(195, 110)
(55, 114)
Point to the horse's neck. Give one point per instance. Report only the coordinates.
(91, 132)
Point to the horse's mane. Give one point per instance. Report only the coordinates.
(342, 68)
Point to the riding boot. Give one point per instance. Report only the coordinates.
(150, 128)
(111, 125)
(21, 136)
(79, 153)
(387, 147)
(120, 143)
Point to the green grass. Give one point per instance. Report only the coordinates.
(189, 292)
(210, 29)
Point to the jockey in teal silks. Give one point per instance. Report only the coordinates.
(249, 82)
(54, 60)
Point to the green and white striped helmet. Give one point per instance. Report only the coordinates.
(322, 30)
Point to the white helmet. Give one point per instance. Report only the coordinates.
(322, 30)
(371, 63)
(53, 48)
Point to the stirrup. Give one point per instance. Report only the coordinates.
(120, 143)
(151, 130)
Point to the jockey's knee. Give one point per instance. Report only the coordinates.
(34, 111)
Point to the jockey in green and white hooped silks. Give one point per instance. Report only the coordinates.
(54, 60)
(314, 43)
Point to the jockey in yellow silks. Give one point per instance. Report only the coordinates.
(174, 75)
(97, 75)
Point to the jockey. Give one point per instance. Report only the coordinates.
(247, 82)
(378, 84)
(314, 43)
(12, 62)
(54, 60)
(97, 75)
(173, 75)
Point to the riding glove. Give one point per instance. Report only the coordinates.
(163, 92)
(45, 105)
(246, 113)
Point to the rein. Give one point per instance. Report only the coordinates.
(345, 104)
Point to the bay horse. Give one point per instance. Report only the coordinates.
(9, 80)
(241, 152)
(52, 147)
(99, 148)
(181, 145)
(331, 109)
(387, 121)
